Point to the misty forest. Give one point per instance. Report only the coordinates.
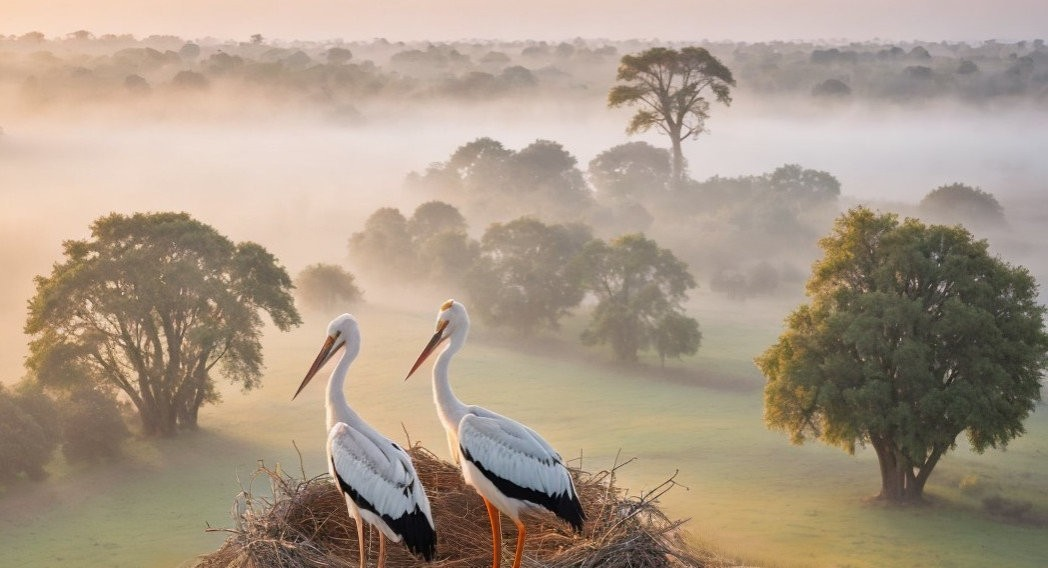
(773, 303)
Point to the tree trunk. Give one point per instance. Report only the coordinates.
(899, 483)
(168, 420)
(678, 161)
(150, 423)
(187, 413)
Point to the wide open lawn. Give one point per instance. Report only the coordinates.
(749, 493)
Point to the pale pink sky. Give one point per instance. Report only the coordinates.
(749, 20)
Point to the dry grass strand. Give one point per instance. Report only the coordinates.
(305, 523)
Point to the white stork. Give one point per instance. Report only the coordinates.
(374, 474)
(510, 465)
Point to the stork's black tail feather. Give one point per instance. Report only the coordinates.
(568, 507)
(415, 528)
(565, 505)
(419, 536)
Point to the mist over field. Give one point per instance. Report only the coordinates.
(301, 188)
(299, 169)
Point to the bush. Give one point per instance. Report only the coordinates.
(26, 438)
(326, 288)
(92, 425)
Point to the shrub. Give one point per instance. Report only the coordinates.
(26, 440)
(326, 288)
(92, 425)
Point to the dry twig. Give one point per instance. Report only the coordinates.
(305, 523)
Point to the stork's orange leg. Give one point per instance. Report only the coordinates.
(520, 544)
(496, 533)
(360, 540)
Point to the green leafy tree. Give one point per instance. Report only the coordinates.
(803, 187)
(675, 335)
(634, 170)
(914, 335)
(671, 86)
(326, 287)
(385, 243)
(151, 305)
(438, 236)
(480, 165)
(526, 277)
(492, 182)
(640, 288)
(435, 217)
(546, 168)
(448, 256)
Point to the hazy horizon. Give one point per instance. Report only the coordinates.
(667, 20)
(293, 147)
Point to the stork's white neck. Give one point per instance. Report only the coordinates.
(449, 407)
(337, 408)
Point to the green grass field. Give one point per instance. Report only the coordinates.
(749, 493)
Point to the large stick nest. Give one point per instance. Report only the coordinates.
(305, 523)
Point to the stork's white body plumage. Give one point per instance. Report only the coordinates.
(375, 475)
(509, 464)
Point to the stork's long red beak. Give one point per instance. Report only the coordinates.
(437, 338)
(326, 352)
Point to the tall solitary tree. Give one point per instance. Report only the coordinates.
(914, 335)
(151, 305)
(671, 87)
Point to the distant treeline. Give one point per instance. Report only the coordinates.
(343, 76)
(743, 234)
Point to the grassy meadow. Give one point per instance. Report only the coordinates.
(748, 493)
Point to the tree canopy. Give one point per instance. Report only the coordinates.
(961, 203)
(151, 304)
(433, 241)
(435, 217)
(526, 276)
(670, 86)
(492, 182)
(326, 287)
(914, 334)
(633, 170)
(640, 288)
(385, 243)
